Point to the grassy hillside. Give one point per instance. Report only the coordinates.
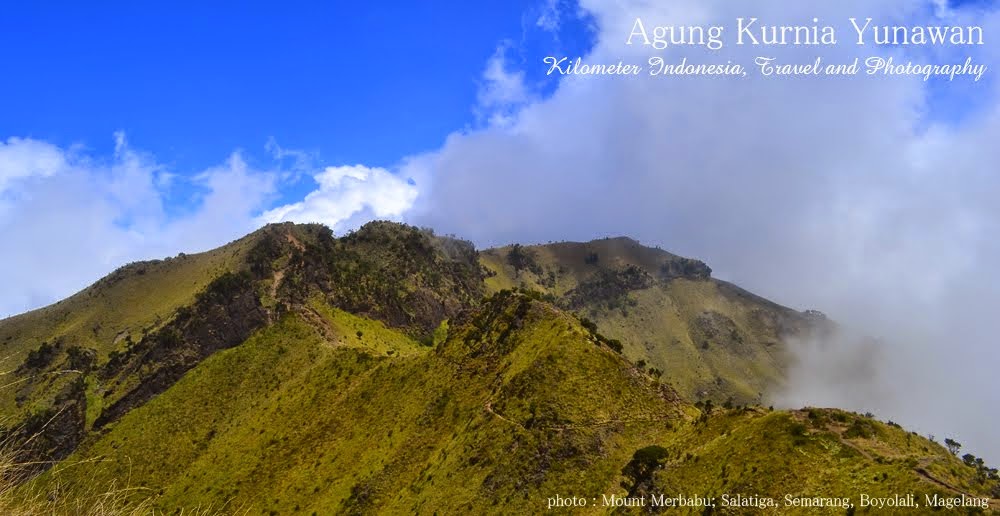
(393, 371)
(134, 298)
(712, 339)
(809, 454)
(352, 416)
(76, 366)
(520, 402)
(48, 355)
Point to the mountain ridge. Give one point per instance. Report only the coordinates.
(518, 369)
(667, 310)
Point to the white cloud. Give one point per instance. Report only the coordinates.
(77, 217)
(549, 16)
(502, 90)
(301, 162)
(837, 194)
(68, 218)
(24, 158)
(348, 195)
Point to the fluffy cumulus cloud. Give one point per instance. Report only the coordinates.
(502, 90)
(25, 158)
(348, 196)
(77, 216)
(868, 197)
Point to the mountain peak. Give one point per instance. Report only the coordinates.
(394, 370)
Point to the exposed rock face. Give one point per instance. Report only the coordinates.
(685, 268)
(400, 275)
(53, 433)
(609, 287)
(712, 328)
(223, 316)
(517, 399)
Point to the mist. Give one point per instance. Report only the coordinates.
(868, 198)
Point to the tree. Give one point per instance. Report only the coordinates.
(640, 469)
(521, 258)
(953, 446)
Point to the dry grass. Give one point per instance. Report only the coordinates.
(19, 498)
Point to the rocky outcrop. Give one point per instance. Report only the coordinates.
(689, 268)
(609, 287)
(223, 316)
(406, 277)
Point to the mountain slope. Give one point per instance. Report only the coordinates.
(712, 339)
(49, 355)
(519, 403)
(133, 298)
(517, 391)
(391, 370)
(799, 456)
(63, 382)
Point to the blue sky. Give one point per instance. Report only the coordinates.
(355, 82)
(184, 122)
(348, 82)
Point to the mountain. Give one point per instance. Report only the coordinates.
(395, 371)
(713, 340)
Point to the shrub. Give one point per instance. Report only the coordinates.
(860, 428)
(41, 357)
(523, 259)
(639, 471)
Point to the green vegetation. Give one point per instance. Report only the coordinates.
(47, 351)
(711, 339)
(111, 500)
(523, 259)
(776, 453)
(517, 391)
(639, 471)
(403, 276)
(395, 371)
(152, 322)
(516, 404)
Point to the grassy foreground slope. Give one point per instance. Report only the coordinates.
(518, 404)
(713, 340)
(296, 372)
(815, 453)
(48, 356)
(72, 368)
